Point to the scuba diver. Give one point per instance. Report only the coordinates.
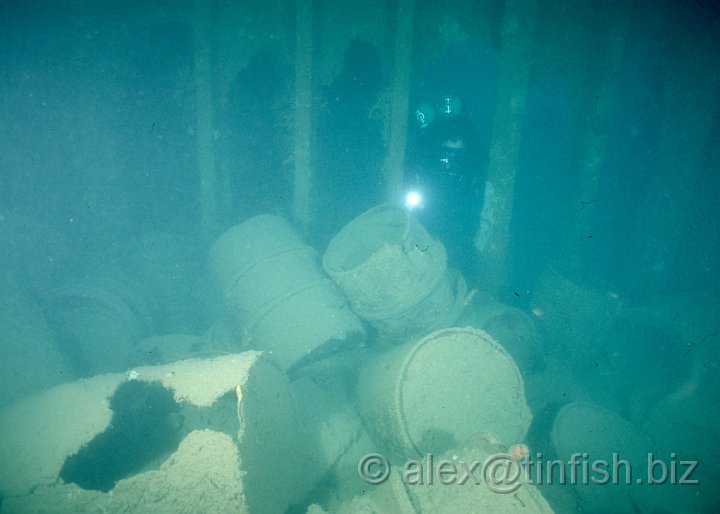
(444, 179)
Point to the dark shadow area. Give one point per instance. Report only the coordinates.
(146, 427)
(349, 147)
(259, 139)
